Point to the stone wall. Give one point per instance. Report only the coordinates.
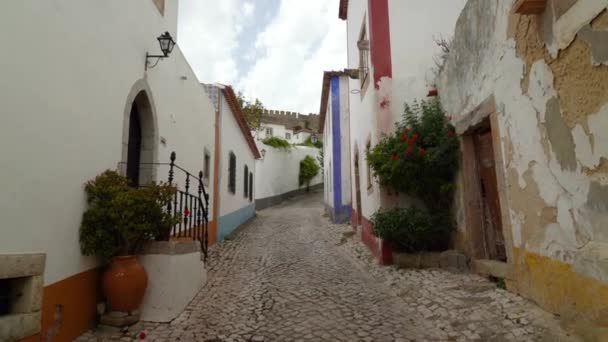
(547, 78)
(291, 119)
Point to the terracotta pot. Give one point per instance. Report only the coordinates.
(124, 283)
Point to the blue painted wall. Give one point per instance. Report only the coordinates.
(228, 223)
(340, 212)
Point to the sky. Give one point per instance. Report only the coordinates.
(274, 50)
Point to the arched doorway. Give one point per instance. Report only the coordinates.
(134, 146)
(139, 139)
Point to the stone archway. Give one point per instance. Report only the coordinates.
(140, 136)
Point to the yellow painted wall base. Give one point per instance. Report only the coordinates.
(581, 302)
(77, 296)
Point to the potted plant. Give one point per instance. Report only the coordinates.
(118, 221)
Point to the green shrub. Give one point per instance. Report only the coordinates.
(420, 159)
(308, 143)
(411, 229)
(120, 218)
(308, 170)
(277, 143)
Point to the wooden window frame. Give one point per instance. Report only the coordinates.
(363, 47)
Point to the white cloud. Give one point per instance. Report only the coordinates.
(208, 36)
(305, 38)
(248, 9)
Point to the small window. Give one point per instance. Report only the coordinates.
(370, 184)
(232, 173)
(250, 186)
(268, 131)
(206, 167)
(363, 46)
(288, 136)
(246, 181)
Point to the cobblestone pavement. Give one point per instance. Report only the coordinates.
(290, 275)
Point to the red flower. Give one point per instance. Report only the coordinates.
(406, 131)
(186, 211)
(421, 150)
(450, 133)
(415, 137)
(403, 137)
(142, 335)
(409, 150)
(395, 157)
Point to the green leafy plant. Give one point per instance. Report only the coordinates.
(420, 159)
(309, 169)
(411, 229)
(120, 218)
(308, 143)
(252, 110)
(277, 142)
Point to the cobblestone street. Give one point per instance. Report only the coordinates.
(291, 276)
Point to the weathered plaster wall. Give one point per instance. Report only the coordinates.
(549, 79)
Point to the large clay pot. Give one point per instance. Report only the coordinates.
(124, 283)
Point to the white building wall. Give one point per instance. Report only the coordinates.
(362, 118)
(232, 140)
(277, 173)
(345, 139)
(63, 125)
(328, 160)
(414, 27)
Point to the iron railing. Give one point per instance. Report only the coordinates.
(191, 201)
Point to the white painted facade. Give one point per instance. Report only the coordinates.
(66, 90)
(337, 150)
(414, 24)
(277, 173)
(232, 140)
(166, 298)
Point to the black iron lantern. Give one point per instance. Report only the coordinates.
(167, 44)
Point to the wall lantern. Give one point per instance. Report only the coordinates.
(263, 151)
(313, 138)
(167, 44)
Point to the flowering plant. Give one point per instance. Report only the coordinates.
(420, 158)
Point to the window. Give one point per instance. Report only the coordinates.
(370, 184)
(363, 45)
(246, 181)
(288, 136)
(268, 131)
(232, 173)
(250, 186)
(206, 167)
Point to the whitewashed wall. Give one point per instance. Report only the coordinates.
(277, 173)
(232, 140)
(414, 27)
(64, 89)
(362, 118)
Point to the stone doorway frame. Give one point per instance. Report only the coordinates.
(140, 95)
(485, 114)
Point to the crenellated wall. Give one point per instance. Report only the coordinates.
(542, 81)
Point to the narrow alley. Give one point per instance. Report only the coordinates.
(289, 276)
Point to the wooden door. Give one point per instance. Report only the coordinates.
(490, 203)
(358, 191)
(134, 147)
